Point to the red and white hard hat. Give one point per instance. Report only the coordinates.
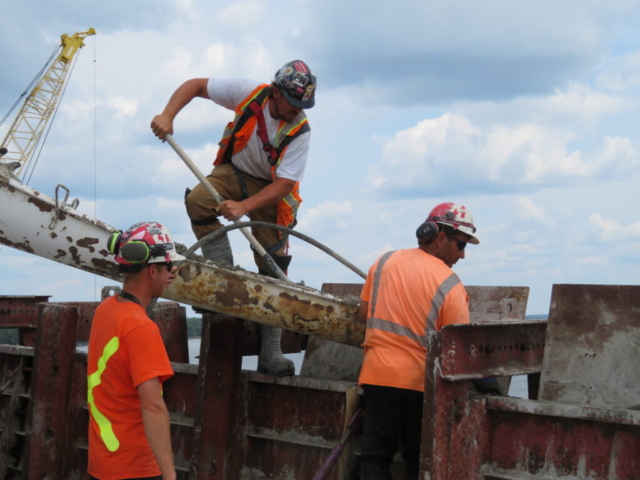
(457, 217)
(144, 242)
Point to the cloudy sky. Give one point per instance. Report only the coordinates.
(526, 112)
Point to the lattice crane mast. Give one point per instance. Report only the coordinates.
(41, 103)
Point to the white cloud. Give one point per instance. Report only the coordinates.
(621, 73)
(124, 107)
(450, 154)
(329, 215)
(528, 210)
(172, 169)
(242, 13)
(611, 229)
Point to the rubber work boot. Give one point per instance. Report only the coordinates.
(374, 471)
(271, 360)
(218, 250)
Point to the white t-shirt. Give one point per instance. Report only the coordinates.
(252, 159)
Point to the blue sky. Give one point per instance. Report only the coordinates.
(525, 112)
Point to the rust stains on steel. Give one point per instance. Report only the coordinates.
(40, 203)
(554, 409)
(88, 243)
(254, 297)
(103, 266)
(24, 246)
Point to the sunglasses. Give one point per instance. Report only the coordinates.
(169, 265)
(461, 244)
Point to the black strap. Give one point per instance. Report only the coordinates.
(244, 193)
(263, 134)
(128, 296)
(205, 221)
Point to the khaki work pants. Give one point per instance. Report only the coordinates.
(201, 207)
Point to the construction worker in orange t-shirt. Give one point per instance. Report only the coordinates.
(407, 294)
(127, 363)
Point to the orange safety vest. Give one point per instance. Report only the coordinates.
(238, 132)
(409, 293)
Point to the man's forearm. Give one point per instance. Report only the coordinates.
(157, 428)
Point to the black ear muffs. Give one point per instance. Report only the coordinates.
(114, 242)
(427, 232)
(135, 251)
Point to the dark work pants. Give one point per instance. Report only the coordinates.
(392, 414)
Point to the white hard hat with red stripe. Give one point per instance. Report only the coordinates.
(144, 242)
(455, 216)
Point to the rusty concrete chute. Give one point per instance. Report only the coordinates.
(80, 241)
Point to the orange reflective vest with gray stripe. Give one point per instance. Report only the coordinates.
(238, 132)
(409, 293)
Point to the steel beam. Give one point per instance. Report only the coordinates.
(492, 349)
(20, 311)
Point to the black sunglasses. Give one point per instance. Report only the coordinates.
(169, 265)
(461, 244)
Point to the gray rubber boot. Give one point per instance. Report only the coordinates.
(271, 360)
(218, 250)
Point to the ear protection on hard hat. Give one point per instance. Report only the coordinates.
(114, 242)
(428, 231)
(134, 251)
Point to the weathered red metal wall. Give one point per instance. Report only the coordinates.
(225, 423)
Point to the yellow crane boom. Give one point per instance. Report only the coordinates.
(40, 104)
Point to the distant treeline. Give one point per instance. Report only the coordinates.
(194, 327)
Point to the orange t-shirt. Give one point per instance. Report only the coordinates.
(412, 293)
(125, 350)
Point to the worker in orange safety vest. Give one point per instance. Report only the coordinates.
(258, 168)
(407, 294)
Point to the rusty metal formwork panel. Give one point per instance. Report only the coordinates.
(291, 424)
(514, 439)
(593, 346)
(16, 365)
(220, 427)
(492, 304)
(457, 354)
(545, 440)
(491, 349)
(20, 311)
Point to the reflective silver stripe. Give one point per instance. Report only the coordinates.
(438, 300)
(393, 327)
(376, 280)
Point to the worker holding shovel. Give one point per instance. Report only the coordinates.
(257, 170)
